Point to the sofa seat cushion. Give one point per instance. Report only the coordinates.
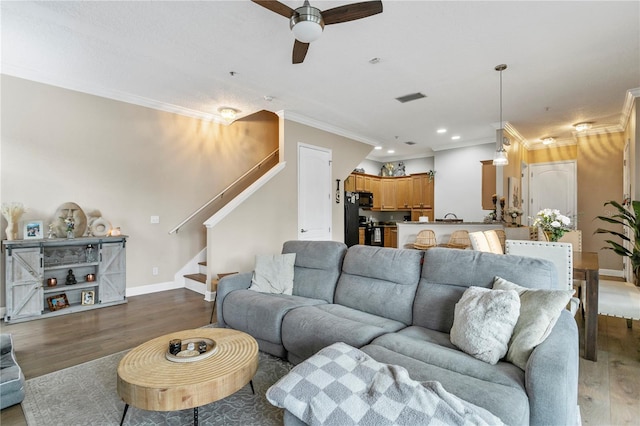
(428, 355)
(261, 314)
(11, 376)
(306, 330)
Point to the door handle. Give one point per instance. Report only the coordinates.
(304, 230)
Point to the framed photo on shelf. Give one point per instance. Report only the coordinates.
(57, 302)
(88, 297)
(33, 230)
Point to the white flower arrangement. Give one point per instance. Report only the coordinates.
(553, 223)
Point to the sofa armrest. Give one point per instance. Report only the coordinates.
(552, 375)
(226, 285)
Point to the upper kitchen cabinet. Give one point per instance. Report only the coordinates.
(403, 193)
(488, 184)
(388, 191)
(374, 188)
(422, 191)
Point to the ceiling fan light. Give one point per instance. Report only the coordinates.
(581, 127)
(548, 141)
(228, 114)
(306, 24)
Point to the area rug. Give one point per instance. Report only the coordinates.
(85, 394)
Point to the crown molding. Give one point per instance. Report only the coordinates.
(307, 121)
(627, 107)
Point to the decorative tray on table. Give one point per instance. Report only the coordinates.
(189, 355)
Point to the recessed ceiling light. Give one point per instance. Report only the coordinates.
(390, 151)
(441, 130)
(268, 98)
(455, 138)
(378, 147)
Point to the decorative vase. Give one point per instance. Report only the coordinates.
(70, 235)
(550, 236)
(10, 231)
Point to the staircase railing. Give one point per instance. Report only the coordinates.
(221, 193)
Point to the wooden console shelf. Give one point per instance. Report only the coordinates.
(98, 265)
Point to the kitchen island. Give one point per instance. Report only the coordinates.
(408, 231)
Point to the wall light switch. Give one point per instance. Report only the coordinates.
(155, 219)
(154, 270)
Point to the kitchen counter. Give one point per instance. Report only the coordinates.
(408, 231)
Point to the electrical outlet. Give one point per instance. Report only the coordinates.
(155, 219)
(154, 270)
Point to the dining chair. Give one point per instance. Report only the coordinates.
(561, 254)
(459, 240)
(425, 240)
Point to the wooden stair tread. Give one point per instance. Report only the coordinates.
(202, 278)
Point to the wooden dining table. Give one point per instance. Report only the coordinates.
(585, 267)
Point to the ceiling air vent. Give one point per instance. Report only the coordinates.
(410, 143)
(411, 97)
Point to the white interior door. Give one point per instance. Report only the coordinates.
(314, 193)
(554, 186)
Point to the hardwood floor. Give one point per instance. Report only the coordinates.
(609, 390)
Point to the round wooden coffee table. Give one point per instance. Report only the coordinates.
(149, 381)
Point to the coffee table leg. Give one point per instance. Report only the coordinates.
(126, 407)
(251, 383)
(195, 416)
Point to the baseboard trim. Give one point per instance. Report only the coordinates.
(209, 296)
(152, 288)
(611, 272)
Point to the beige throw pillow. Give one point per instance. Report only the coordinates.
(274, 273)
(539, 312)
(483, 322)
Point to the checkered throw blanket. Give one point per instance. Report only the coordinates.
(341, 385)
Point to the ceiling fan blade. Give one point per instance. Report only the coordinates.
(276, 6)
(351, 12)
(299, 51)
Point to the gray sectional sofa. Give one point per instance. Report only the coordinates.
(398, 306)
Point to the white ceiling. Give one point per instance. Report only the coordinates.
(567, 62)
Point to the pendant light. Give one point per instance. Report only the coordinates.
(500, 157)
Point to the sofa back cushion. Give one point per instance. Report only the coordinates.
(317, 267)
(447, 273)
(380, 281)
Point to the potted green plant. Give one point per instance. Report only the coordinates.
(630, 219)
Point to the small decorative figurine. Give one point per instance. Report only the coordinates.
(71, 279)
(52, 232)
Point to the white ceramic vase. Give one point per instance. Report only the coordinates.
(10, 231)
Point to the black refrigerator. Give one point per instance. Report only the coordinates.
(351, 219)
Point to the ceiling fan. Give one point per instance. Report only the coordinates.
(307, 22)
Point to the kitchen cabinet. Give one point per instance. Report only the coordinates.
(391, 237)
(350, 183)
(416, 213)
(375, 190)
(488, 184)
(388, 193)
(403, 193)
(422, 191)
(31, 267)
(394, 193)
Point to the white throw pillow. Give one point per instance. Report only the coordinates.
(539, 312)
(273, 273)
(483, 322)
